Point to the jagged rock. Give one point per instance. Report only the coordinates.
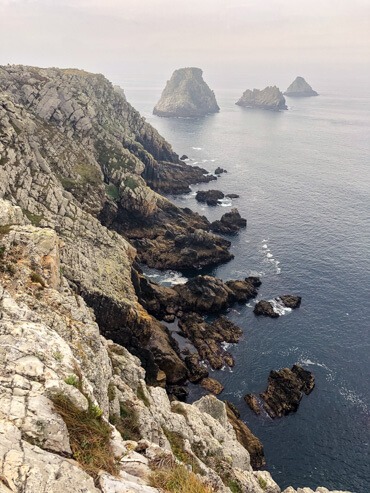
(270, 98)
(183, 157)
(212, 385)
(204, 294)
(276, 307)
(210, 197)
(177, 392)
(285, 390)
(252, 402)
(219, 171)
(244, 290)
(299, 88)
(197, 371)
(207, 338)
(186, 95)
(246, 437)
(230, 223)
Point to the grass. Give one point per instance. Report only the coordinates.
(127, 423)
(178, 479)
(235, 486)
(178, 449)
(112, 192)
(89, 436)
(5, 229)
(142, 396)
(89, 174)
(73, 380)
(262, 482)
(35, 219)
(36, 278)
(130, 183)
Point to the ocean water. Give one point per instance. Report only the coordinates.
(304, 180)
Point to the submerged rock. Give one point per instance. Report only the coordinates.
(270, 98)
(284, 391)
(299, 88)
(210, 197)
(212, 385)
(186, 95)
(219, 171)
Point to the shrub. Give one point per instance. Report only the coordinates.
(112, 191)
(89, 436)
(262, 482)
(72, 380)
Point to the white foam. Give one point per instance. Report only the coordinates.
(152, 275)
(197, 148)
(269, 255)
(173, 277)
(279, 308)
(225, 203)
(264, 246)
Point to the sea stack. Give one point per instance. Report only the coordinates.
(186, 95)
(270, 98)
(300, 89)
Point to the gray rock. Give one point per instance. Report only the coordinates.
(270, 98)
(186, 95)
(299, 88)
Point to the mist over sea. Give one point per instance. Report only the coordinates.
(303, 178)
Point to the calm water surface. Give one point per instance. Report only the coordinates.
(303, 179)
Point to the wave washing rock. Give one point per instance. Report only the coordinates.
(277, 307)
(270, 98)
(186, 95)
(299, 88)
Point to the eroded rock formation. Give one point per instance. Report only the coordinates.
(299, 88)
(186, 95)
(270, 98)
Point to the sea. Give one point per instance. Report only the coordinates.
(303, 177)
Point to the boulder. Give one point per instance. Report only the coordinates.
(219, 171)
(299, 88)
(212, 385)
(285, 390)
(210, 197)
(183, 157)
(197, 371)
(230, 223)
(270, 98)
(186, 95)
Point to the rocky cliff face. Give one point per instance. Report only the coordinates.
(76, 411)
(186, 95)
(299, 88)
(270, 98)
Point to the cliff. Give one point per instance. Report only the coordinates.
(299, 88)
(186, 95)
(79, 412)
(270, 98)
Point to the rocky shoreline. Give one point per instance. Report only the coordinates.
(81, 328)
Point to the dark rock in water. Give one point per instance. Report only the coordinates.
(273, 308)
(177, 392)
(285, 390)
(290, 301)
(212, 385)
(265, 308)
(183, 157)
(197, 371)
(186, 95)
(270, 98)
(244, 290)
(232, 196)
(204, 294)
(252, 402)
(211, 197)
(219, 171)
(230, 223)
(246, 437)
(207, 338)
(299, 88)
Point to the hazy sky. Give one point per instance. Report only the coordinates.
(270, 40)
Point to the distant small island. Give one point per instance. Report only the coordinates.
(299, 88)
(186, 95)
(270, 98)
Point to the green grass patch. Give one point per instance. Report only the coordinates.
(35, 219)
(178, 479)
(127, 423)
(112, 191)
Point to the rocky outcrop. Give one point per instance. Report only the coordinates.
(299, 88)
(277, 306)
(270, 98)
(210, 197)
(186, 95)
(284, 391)
(230, 223)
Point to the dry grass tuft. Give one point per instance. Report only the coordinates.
(89, 436)
(178, 479)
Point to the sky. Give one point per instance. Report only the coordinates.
(233, 41)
